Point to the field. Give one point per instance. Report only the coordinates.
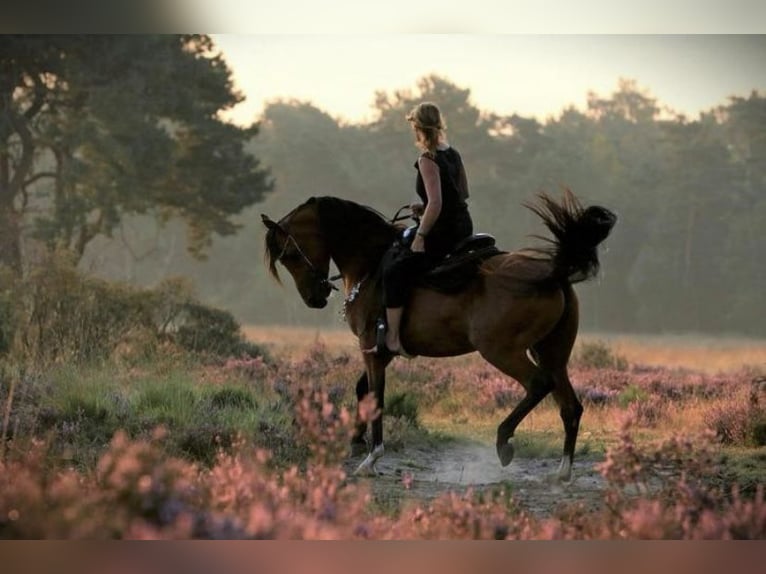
(468, 417)
(671, 445)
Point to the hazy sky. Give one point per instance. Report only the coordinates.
(474, 16)
(532, 75)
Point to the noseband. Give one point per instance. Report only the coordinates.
(316, 275)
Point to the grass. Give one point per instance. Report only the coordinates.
(744, 467)
(459, 397)
(84, 407)
(700, 353)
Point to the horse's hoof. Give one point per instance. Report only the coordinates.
(564, 474)
(505, 453)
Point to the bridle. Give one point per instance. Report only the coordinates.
(316, 275)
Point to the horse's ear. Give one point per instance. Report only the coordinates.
(268, 222)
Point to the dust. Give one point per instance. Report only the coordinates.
(421, 474)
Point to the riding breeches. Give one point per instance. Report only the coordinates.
(401, 270)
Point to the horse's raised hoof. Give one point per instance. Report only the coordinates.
(505, 453)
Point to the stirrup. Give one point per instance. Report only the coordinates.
(381, 349)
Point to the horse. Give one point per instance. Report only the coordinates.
(519, 311)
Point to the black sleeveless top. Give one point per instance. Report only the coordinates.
(454, 222)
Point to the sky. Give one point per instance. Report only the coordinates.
(472, 16)
(533, 75)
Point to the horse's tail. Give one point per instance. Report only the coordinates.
(577, 231)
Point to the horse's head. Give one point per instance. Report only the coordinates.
(296, 241)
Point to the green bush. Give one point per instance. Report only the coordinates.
(632, 394)
(204, 329)
(72, 318)
(598, 355)
(758, 429)
(402, 405)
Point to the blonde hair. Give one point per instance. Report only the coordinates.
(428, 120)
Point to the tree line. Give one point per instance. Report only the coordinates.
(112, 147)
(687, 252)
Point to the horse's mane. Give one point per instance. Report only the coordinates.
(342, 220)
(342, 223)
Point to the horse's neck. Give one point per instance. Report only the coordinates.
(355, 262)
(358, 238)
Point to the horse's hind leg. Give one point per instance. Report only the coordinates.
(552, 354)
(570, 410)
(536, 383)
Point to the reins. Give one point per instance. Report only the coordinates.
(398, 217)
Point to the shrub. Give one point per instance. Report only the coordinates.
(739, 422)
(403, 405)
(208, 330)
(72, 318)
(758, 429)
(653, 491)
(598, 355)
(631, 394)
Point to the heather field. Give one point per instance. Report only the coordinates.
(170, 444)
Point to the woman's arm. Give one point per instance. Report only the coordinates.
(429, 171)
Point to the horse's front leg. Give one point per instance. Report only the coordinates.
(376, 376)
(358, 442)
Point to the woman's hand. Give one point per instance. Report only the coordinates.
(418, 244)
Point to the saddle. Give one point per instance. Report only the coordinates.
(458, 268)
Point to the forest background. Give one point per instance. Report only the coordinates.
(690, 193)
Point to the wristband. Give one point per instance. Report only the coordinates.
(421, 233)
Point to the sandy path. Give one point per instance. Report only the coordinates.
(460, 465)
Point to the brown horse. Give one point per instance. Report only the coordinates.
(519, 312)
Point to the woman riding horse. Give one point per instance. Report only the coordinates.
(519, 312)
(442, 186)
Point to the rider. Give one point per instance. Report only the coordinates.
(442, 187)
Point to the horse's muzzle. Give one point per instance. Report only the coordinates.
(316, 302)
(316, 297)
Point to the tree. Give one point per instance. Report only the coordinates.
(93, 128)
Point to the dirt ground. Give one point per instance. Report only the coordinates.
(420, 474)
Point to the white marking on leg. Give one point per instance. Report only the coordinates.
(367, 467)
(565, 469)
